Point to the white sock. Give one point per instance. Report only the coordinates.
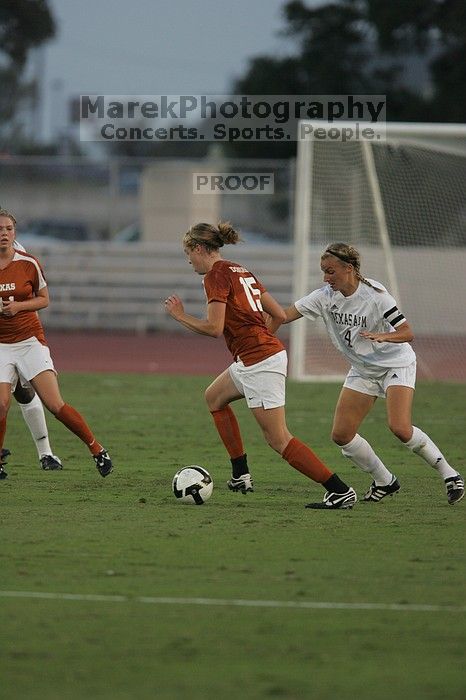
(33, 414)
(423, 446)
(361, 453)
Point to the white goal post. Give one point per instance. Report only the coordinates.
(400, 199)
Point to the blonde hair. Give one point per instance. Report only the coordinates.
(211, 237)
(349, 255)
(8, 215)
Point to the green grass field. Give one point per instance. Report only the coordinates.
(72, 532)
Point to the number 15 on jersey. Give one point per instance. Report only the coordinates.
(252, 293)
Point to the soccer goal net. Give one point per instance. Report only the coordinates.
(400, 199)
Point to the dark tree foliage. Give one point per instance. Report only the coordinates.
(368, 47)
(24, 25)
(437, 28)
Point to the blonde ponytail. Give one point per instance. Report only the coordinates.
(210, 237)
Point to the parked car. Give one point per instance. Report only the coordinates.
(42, 230)
(129, 234)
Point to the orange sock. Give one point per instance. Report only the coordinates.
(74, 421)
(302, 458)
(228, 429)
(2, 431)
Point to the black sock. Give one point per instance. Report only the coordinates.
(239, 466)
(335, 485)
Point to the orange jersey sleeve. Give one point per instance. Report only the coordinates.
(21, 280)
(246, 335)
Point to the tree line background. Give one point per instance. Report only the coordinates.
(414, 52)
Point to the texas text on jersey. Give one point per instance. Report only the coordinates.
(20, 280)
(367, 309)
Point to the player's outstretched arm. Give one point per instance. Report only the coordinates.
(291, 314)
(402, 334)
(276, 314)
(212, 325)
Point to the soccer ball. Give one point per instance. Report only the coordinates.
(192, 485)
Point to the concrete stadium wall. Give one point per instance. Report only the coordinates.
(122, 287)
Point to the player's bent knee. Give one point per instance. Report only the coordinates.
(215, 402)
(276, 446)
(276, 442)
(402, 432)
(210, 404)
(340, 438)
(209, 396)
(54, 407)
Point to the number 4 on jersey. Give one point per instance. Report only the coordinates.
(251, 292)
(347, 337)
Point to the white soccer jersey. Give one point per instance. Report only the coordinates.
(366, 310)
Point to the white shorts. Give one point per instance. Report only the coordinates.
(23, 360)
(262, 384)
(396, 376)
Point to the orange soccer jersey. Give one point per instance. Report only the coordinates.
(21, 279)
(246, 335)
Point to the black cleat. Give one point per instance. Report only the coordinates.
(244, 484)
(332, 501)
(455, 489)
(3, 474)
(376, 493)
(4, 454)
(50, 463)
(103, 463)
